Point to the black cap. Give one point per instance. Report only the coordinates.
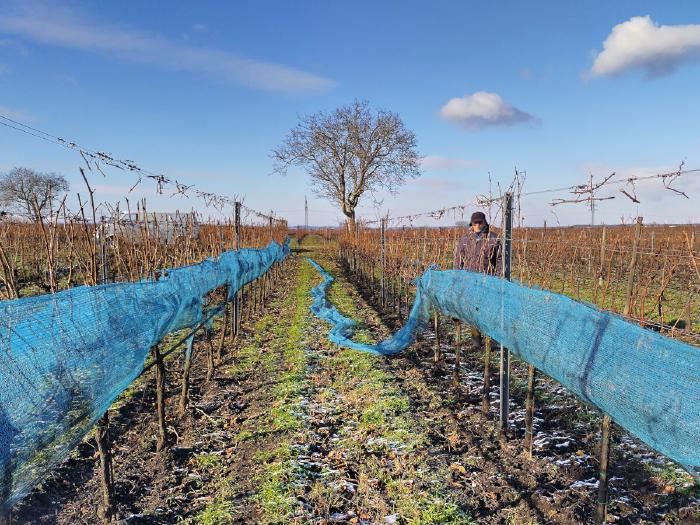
(478, 216)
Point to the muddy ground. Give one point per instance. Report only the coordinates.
(292, 429)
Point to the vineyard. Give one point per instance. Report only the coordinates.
(245, 411)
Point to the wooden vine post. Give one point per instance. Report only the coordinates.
(210, 354)
(185, 384)
(382, 241)
(104, 447)
(437, 355)
(237, 296)
(102, 437)
(485, 397)
(458, 352)
(529, 409)
(504, 368)
(606, 424)
(162, 439)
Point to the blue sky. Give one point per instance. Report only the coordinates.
(205, 91)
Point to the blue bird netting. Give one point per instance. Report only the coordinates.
(648, 383)
(64, 358)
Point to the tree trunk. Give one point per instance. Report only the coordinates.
(352, 225)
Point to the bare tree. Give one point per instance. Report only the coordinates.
(29, 192)
(350, 151)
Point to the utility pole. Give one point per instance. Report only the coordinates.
(306, 213)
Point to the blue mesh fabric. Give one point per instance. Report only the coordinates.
(648, 383)
(64, 358)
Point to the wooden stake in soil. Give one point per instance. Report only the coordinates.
(633, 267)
(185, 382)
(104, 446)
(485, 399)
(601, 513)
(529, 409)
(476, 337)
(237, 296)
(458, 350)
(224, 330)
(104, 443)
(437, 355)
(162, 440)
(210, 354)
(382, 240)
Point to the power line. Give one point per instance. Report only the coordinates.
(99, 158)
(577, 189)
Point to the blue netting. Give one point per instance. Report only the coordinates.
(64, 358)
(649, 384)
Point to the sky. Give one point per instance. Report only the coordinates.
(204, 91)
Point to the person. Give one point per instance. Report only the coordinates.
(480, 249)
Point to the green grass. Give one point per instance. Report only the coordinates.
(378, 416)
(275, 496)
(217, 513)
(671, 475)
(270, 356)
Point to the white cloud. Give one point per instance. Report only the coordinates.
(483, 109)
(438, 163)
(640, 43)
(45, 24)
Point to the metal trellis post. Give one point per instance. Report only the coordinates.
(382, 241)
(237, 295)
(505, 354)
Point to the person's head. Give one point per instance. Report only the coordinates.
(478, 222)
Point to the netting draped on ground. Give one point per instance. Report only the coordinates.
(648, 383)
(64, 358)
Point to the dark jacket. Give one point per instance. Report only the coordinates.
(479, 252)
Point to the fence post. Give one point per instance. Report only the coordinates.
(504, 368)
(160, 399)
(382, 242)
(237, 295)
